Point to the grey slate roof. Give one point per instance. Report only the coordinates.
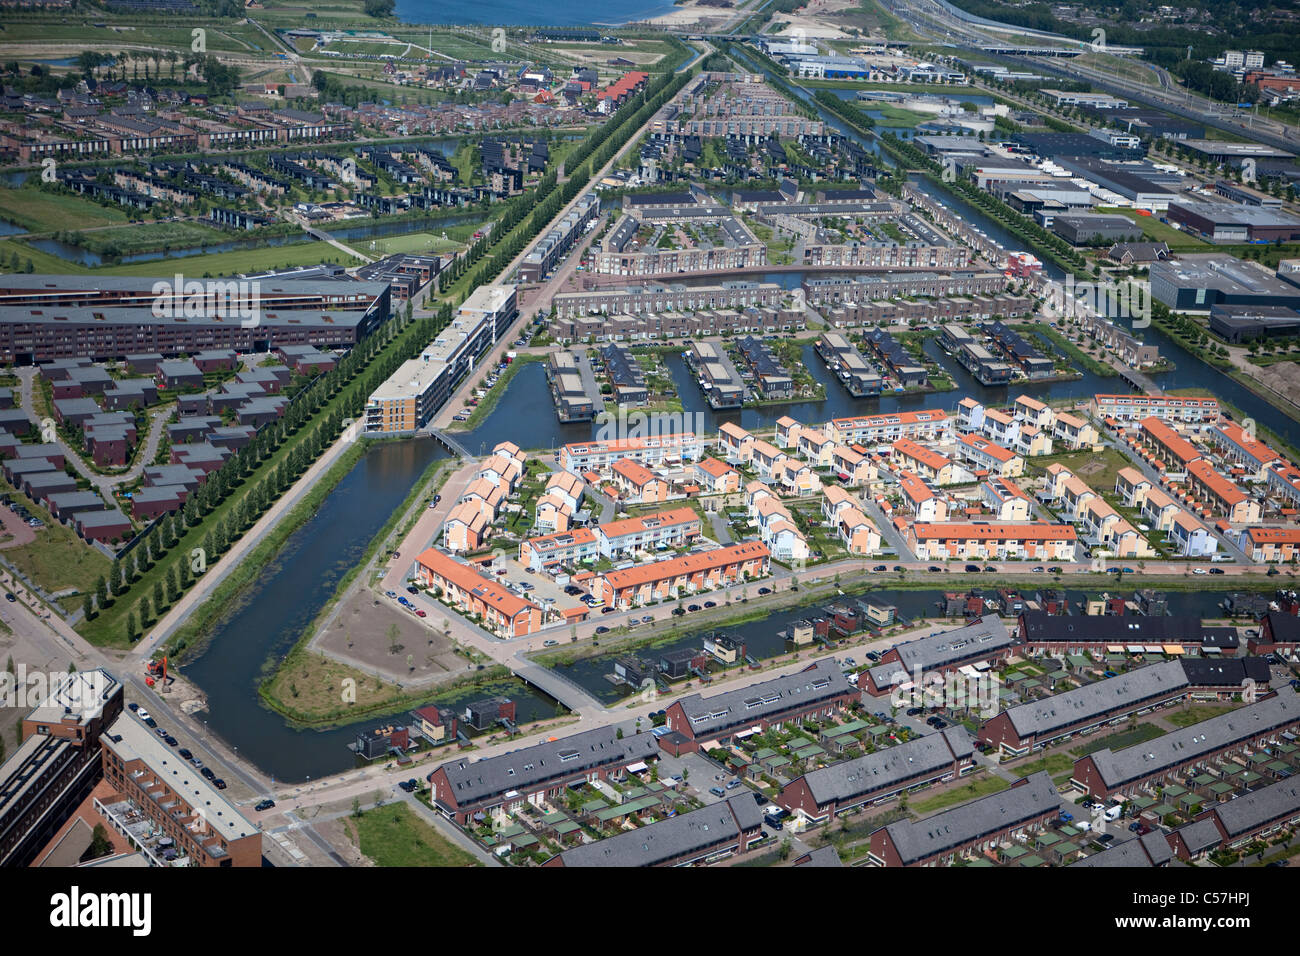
(550, 760)
(1150, 849)
(1094, 700)
(672, 838)
(976, 639)
(952, 829)
(883, 770)
(1200, 835)
(1209, 736)
(822, 681)
(1279, 801)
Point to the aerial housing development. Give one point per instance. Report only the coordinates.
(752, 436)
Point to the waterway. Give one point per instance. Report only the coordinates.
(270, 616)
(763, 638)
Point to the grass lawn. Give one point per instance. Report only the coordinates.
(39, 211)
(1155, 230)
(1057, 764)
(1125, 738)
(955, 795)
(57, 559)
(313, 685)
(247, 260)
(394, 836)
(1098, 469)
(419, 243)
(152, 236)
(1194, 715)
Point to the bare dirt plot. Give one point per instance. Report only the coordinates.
(341, 834)
(1283, 378)
(14, 532)
(375, 633)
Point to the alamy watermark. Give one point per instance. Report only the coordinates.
(206, 298)
(952, 690)
(1073, 299)
(27, 690)
(626, 426)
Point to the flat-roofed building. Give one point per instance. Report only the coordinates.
(57, 763)
(172, 812)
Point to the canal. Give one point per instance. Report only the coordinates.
(270, 616)
(763, 638)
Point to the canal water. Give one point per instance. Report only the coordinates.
(763, 638)
(272, 614)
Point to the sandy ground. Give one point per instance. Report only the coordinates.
(365, 620)
(15, 531)
(691, 14)
(341, 835)
(816, 19)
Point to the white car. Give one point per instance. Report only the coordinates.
(550, 643)
(142, 714)
(1198, 570)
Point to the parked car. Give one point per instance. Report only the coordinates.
(764, 590)
(185, 753)
(880, 567)
(410, 786)
(219, 784)
(264, 805)
(10, 597)
(208, 774)
(717, 791)
(550, 643)
(412, 589)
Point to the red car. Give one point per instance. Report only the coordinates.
(420, 613)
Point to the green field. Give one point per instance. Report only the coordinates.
(1098, 469)
(420, 243)
(1155, 230)
(955, 795)
(1194, 715)
(151, 237)
(1125, 738)
(57, 559)
(1056, 764)
(17, 39)
(395, 836)
(39, 211)
(217, 263)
